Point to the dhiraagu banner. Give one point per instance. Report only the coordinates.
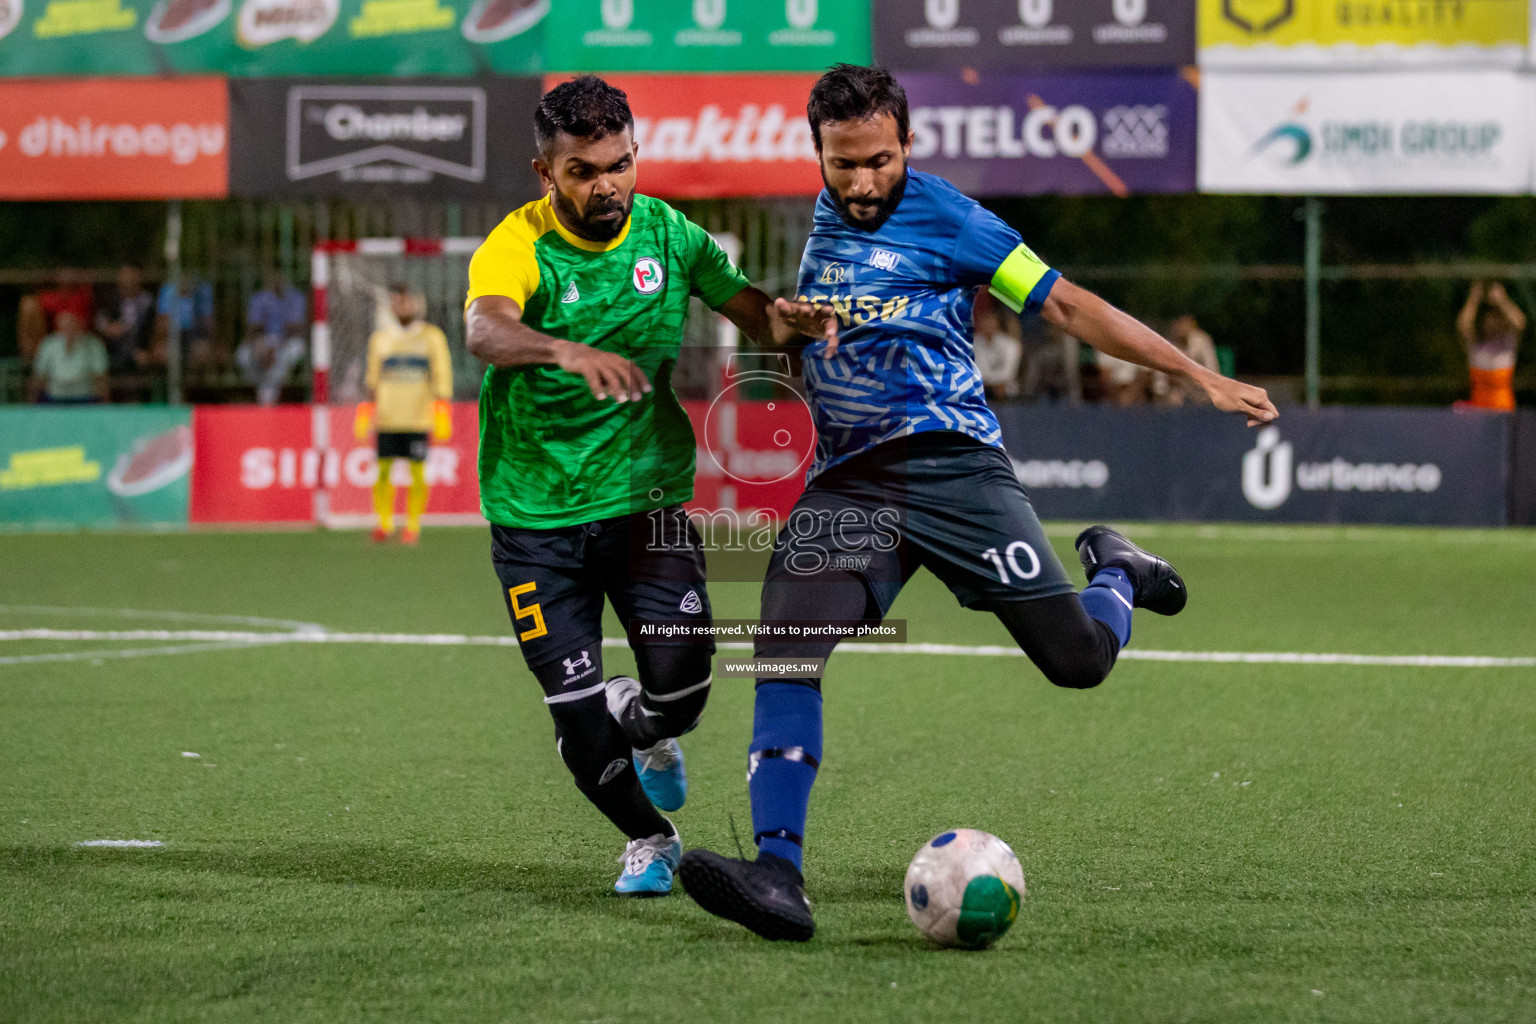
(272, 38)
(1344, 33)
(94, 466)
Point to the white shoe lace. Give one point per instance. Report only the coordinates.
(642, 853)
(659, 758)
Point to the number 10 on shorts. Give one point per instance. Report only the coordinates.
(1009, 561)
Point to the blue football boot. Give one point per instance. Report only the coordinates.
(648, 866)
(662, 773)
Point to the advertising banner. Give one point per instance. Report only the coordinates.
(272, 37)
(997, 135)
(96, 139)
(436, 138)
(943, 35)
(721, 135)
(93, 467)
(1458, 132)
(1339, 465)
(1344, 33)
(707, 35)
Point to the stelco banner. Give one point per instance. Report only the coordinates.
(99, 467)
(271, 37)
(1459, 132)
(943, 35)
(1340, 465)
(1340, 33)
(998, 135)
(436, 138)
(113, 140)
(721, 135)
(707, 35)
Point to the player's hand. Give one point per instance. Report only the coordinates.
(442, 422)
(362, 424)
(811, 320)
(1230, 395)
(607, 374)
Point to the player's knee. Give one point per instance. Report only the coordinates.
(674, 686)
(1074, 670)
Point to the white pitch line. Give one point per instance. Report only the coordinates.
(132, 652)
(135, 844)
(238, 638)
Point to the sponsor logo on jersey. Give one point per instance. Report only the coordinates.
(648, 276)
(613, 771)
(571, 294)
(884, 259)
(861, 309)
(691, 603)
(832, 273)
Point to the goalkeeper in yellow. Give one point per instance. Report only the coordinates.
(410, 382)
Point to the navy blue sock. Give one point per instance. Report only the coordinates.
(781, 766)
(1108, 599)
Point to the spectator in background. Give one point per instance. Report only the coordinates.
(126, 322)
(997, 351)
(71, 365)
(38, 314)
(192, 307)
(1490, 325)
(274, 343)
(1122, 382)
(1199, 346)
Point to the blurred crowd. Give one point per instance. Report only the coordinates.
(78, 343)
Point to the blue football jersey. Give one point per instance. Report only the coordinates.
(903, 296)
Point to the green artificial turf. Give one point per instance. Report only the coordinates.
(385, 832)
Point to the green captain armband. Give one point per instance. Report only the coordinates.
(1023, 281)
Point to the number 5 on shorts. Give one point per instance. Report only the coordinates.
(532, 611)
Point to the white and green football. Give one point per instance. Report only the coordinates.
(964, 887)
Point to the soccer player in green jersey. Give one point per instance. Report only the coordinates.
(577, 302)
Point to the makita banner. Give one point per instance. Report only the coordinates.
(433, 138)
(1339, 465)
(997, 135)
(1459, 132)
(707, 136)
(942, 35)
(96, 139)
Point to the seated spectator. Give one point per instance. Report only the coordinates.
(126, 321)
(1185, 333)
(37, 316)
(998, 351)
(71, 365)
(192, 307)
(274, 343)
(1490, 325)
(1123, 382)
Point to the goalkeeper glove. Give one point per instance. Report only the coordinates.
(442, 421)
(363, 424)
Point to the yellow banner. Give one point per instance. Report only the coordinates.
(1419, 24)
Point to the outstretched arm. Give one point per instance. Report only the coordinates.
(1501, 300)
(495, 333)
(1089, 318)
(759, 318)
(1466, 320)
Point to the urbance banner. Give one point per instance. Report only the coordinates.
(1335, 465)
(1000, 135)
(432, 138)
(943, 35)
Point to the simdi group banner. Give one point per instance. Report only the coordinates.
(432, 138)
(1422, 132)
(94, 467)
(947, 35)
(997, 135)
(272, 38)
(100, 139)
(1338, 33)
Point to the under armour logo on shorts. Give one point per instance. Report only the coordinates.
(583, 663)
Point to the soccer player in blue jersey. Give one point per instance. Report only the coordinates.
(909, 467)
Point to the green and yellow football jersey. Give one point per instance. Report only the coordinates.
(551, 455)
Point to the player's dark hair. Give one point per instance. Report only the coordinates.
(400, 288)
(585, 108)
(852, 92)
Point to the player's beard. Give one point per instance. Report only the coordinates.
(886, 204)
(584, 225)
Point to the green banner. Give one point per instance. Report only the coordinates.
(272, 38)
(96, 466)
(707, 35)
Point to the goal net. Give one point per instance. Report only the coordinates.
(351, 300)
